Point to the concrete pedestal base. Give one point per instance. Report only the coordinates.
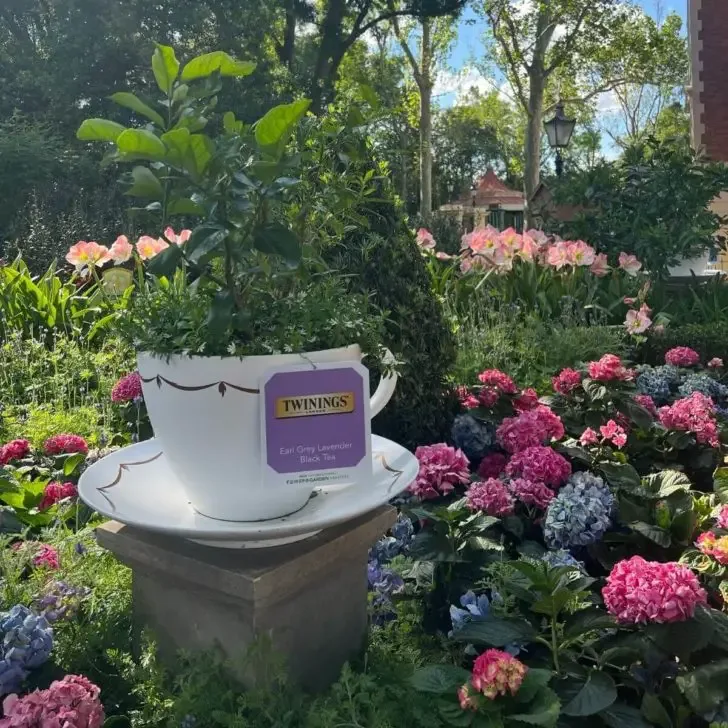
(310, 596)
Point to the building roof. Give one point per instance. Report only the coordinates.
(490, 191)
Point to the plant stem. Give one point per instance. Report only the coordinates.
(554, 645)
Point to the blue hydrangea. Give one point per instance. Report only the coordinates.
(561, 557)
(473, 437)
(26, 643)
(384, 581)
(659, 382)
(398, 543)
(580, 513)
(60, 600)
(705, 385)
(473, 606)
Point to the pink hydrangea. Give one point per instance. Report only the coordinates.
(496, 673)
(441, 468)
(490, 496)
(695, 414)
(72, 702)
(65, 444)
(639, 591)
(465, 698)
(495, 383)
(46, 556)
(609, 368)
(466, 399)
(55, 492)
(492, 465)
(647, 402)
(567, 380)
(531, 493)
(682, 356)
(715, 363)
(541, 464)
(14, 450)
(589, 437)
(534, 427)
(715, 546)
(612, 432)
(722, 518)
(526, 400)
(127, 389)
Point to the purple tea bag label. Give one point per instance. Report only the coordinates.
(316, 424)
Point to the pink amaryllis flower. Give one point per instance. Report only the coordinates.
(629, 264)
(84, 255)
(121, 250)
(600, 266)
(425, 239)
(637, 322)
(581, 254)
(715, 363)
(180, 239)
(148, 247)
(557, 255)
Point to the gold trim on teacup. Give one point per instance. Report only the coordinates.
(221, 386)
(388, 468)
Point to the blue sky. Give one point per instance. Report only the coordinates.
(469, 46)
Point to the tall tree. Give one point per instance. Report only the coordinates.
(598, 44)
(435, 39)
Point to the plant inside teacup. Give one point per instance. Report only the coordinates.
(246, 289)
(249, 277)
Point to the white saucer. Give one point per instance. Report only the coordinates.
(136, 486)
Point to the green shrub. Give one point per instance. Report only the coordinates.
(378, 251)
(709, 340)
(37, 423)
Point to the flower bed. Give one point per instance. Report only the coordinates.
(587, 541)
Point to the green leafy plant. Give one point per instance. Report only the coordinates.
(245, 282)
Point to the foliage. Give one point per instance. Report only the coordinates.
(653, 202)
(708, 339)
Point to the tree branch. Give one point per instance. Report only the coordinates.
(419, 80)
(569, 41)
(514, 66)
(599, 90)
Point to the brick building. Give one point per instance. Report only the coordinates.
(708, 90)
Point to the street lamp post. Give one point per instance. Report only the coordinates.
(559, 131)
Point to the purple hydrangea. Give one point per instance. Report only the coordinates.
(27, 641)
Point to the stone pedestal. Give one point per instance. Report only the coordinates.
(310, 596)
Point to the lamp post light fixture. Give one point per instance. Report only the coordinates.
(559, 131)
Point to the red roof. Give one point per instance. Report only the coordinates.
(491, 191)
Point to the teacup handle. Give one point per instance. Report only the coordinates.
(385, 390)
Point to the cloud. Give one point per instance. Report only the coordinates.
(456, 86)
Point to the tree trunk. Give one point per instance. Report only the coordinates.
(286, 50)
(426, 124)
(403, 151)
(329, 55)
(532, 174)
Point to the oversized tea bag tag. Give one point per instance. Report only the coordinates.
(315, 424)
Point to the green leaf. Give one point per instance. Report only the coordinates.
(72, 462)
(587, 620)
(653, 533)
(177, 142)
(481, 543)
(596, 390)
(276, 239)
(553, 603)
(206, 64)
(619, 715)
(221, 313)
(205, 239)
(166, 262)
(720, 484)
(454, 715)
(99, 130)
(145, 184)
(706, 687)
(594, 694)
(184, 206)
(655, 711)
(130, 101)
(142, 143)
(666, 483)
(638, 414)
(278, 122)
(202, 150)
(719, 622)
(534, 679)
(439, 679)
(165, 67)
(621, 475)
(496, 632)
(543, 711)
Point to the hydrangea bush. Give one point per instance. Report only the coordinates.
(587, 540)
